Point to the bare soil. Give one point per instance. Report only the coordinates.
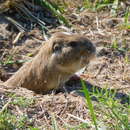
(110, 69)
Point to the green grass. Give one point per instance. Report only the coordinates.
(100, 4)
(9, 121)
(106, 111)
(22, 102)
(6, 121)
(115, 45)
(23, 9)
(127, 59)
(113, 6)
(56, 11)
(9, 60)
(89, 103)
(109, 108)
(123, 48)
(126, 24)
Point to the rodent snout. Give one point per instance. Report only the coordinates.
(89, 48)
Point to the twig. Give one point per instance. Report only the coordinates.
(5, 106)
(91, 32)
(17, 37)
(99, 70)
(97, 23)
(18, 110)
(3, 54)
(66, 105)
(18, 25)
(75, 117)
(99, 30)
(65, 122)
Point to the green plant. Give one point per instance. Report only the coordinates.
(108, 107)
(22, 101)
(126, 19)
(55, 11)
(89, 103)
(54, 123)
(114, 7)
(127, 60)
(100, 4)
(32, 128)
(23, 8)
(115, 45)
(6, 120)
(111, 109)
(10, 121)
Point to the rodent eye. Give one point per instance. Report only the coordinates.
(73, 44)
(56, 48)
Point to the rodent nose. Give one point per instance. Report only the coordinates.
(91, 48)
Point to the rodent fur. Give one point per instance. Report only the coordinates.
(58, 59)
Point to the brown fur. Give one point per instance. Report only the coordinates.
(52, 66)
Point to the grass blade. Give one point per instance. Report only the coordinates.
(114, 7)
(90, 106)
(55, 12)
(54, 123)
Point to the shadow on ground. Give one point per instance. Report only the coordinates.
(75, 86)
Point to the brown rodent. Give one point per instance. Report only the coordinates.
(58, 59)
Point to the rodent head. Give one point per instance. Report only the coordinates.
(69, 53)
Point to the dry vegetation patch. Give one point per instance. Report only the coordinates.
(110, 70)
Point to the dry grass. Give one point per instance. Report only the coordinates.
(108, 76)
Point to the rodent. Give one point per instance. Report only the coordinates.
(58, 59)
